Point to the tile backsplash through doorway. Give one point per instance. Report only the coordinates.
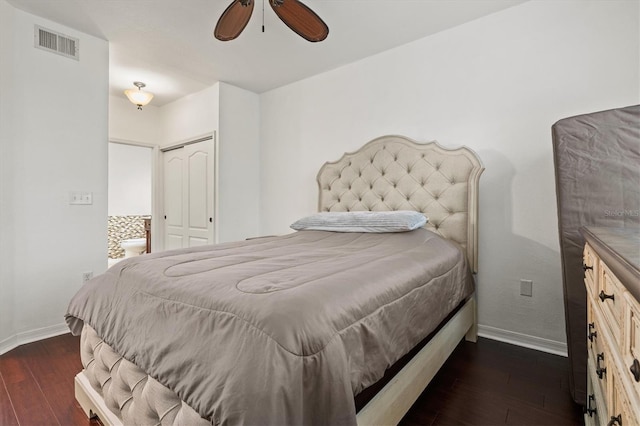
(123, 228)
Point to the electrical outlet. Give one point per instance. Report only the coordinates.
(526, 288)
(86, 276)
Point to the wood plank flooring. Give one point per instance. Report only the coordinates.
(37, 383)
(488, 383)
(494, 383)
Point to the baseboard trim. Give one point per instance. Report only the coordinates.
(493, 333)
(524, 340)
(25, 337)
(9, 343)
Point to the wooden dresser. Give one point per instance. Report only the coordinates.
(612, 279)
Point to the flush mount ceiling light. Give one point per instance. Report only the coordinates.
(138, 97)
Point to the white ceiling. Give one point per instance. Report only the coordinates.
(169, 44)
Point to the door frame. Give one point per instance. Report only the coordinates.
(155, 172)
(158, 208)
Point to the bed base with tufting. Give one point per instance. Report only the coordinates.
(110, 384)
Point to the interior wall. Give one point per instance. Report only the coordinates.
(239, 165)
(129, 180)
(58, 145)
(7, 230)
(496, 85)
(128, 123)
(190, 117)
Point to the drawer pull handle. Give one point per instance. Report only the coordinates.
(591, 411)
(635, 369)
(585, 267)
(600, 371)
(617, 420)
(593, 335)
(604, 296)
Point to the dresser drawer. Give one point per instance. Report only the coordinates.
(611, 299)
(600, 359)
(596, 410)
(631, 345)
(590, 265)
(592, 330)
(622, 412)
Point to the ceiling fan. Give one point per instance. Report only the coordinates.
(297, 16)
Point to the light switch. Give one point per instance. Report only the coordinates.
(80, 198)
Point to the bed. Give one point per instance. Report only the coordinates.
(298, 324)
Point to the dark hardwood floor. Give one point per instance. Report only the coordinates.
(488, 383)
(37, 383)
(494, 383)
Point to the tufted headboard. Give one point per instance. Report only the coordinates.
(396, 173)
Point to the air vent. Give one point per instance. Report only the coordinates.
(54, 42)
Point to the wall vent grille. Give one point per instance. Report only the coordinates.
(54, 42)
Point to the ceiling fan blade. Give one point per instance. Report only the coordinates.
(300, 19)
(233, 20)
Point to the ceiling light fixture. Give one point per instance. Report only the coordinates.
(138, 97)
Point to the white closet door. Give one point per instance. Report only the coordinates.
(199, 187)
(188, 195)
(174, 199)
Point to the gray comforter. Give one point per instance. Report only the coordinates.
(278, 330)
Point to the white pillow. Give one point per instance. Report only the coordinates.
(362, 221)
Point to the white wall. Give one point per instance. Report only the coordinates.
(57, 144)
(239, 164)
(497, 85)
(129, 180)
(129, 124)
(7, 230)
(190, 117)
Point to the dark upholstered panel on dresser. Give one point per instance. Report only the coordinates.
(597, 167)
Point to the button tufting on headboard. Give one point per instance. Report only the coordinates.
(442, 183)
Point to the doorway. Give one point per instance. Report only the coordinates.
(130, 197)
